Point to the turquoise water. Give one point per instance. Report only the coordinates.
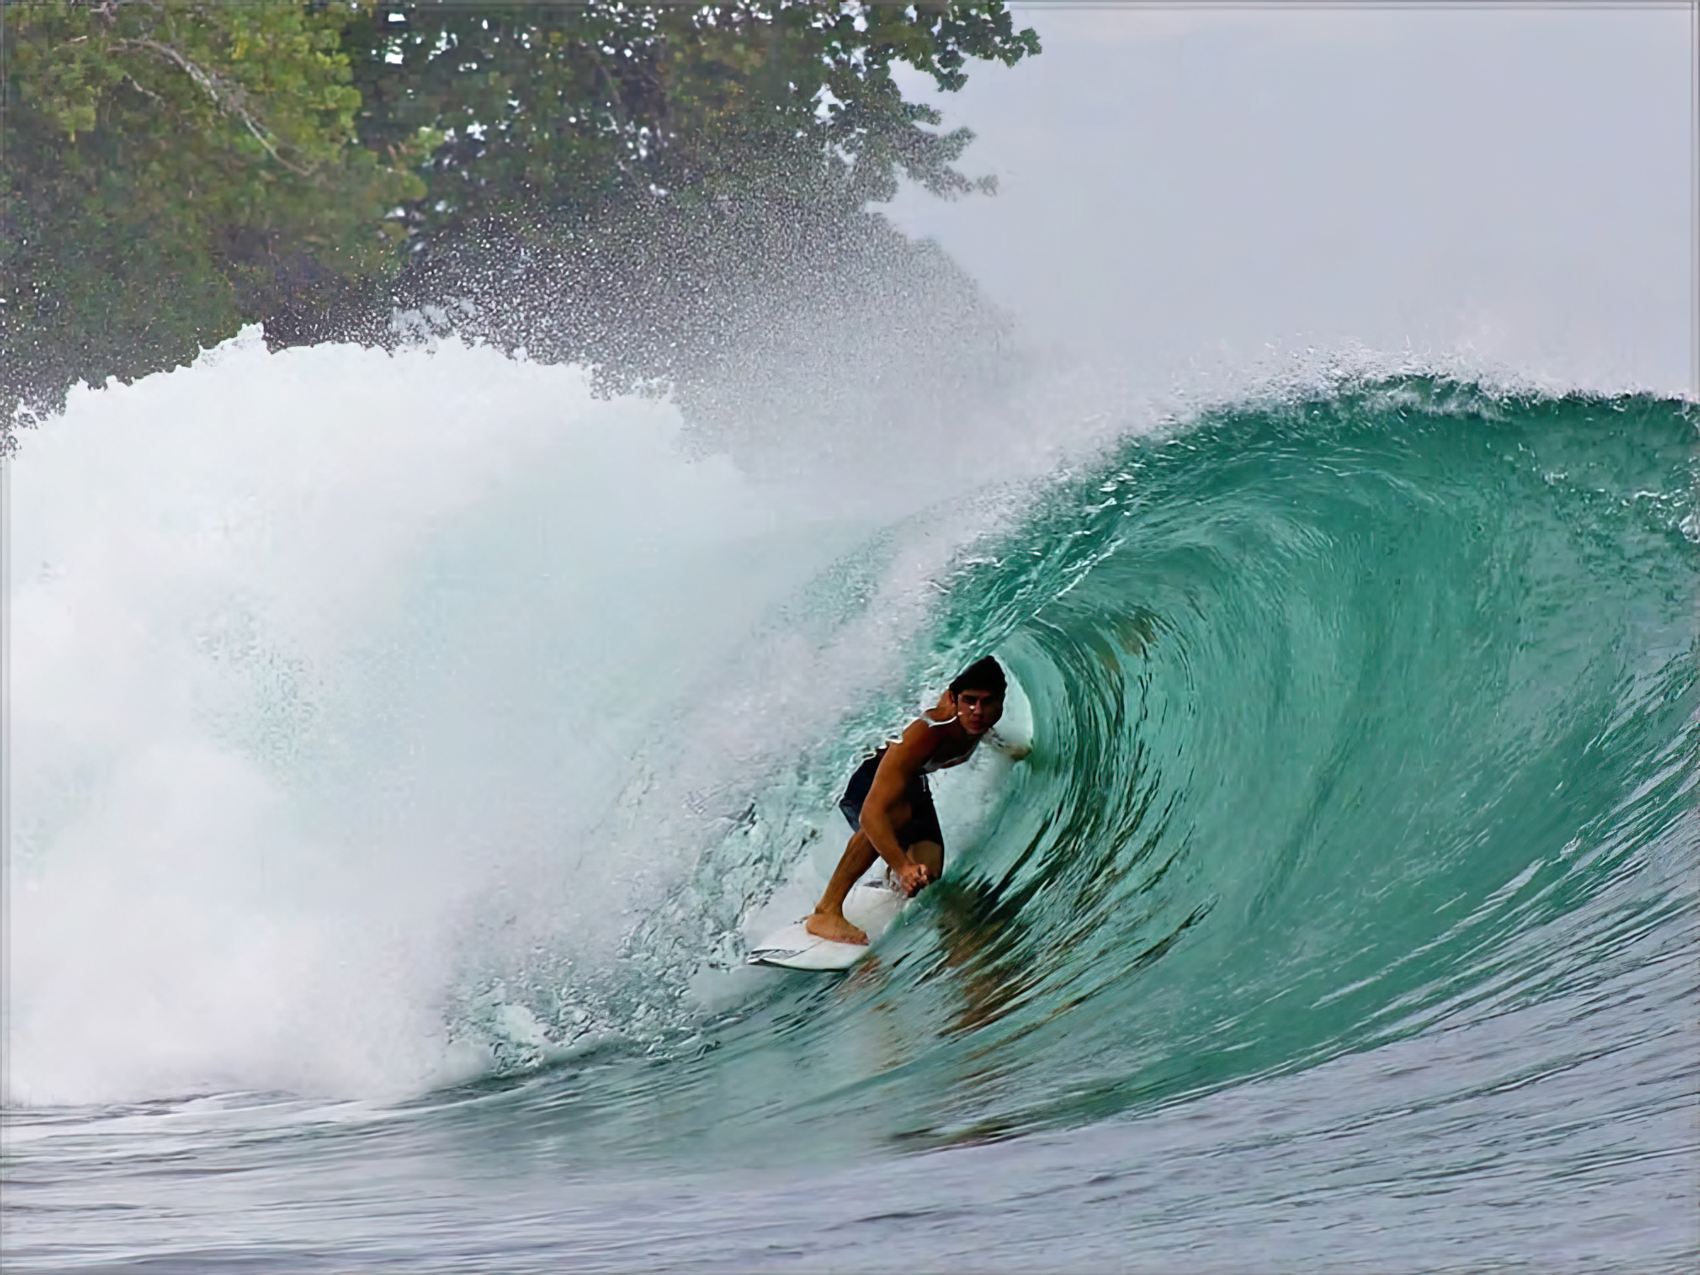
(1344, 916)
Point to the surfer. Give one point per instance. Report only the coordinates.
(889, 806)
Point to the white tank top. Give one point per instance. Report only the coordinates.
(940, 763)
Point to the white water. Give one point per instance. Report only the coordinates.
(347, 687)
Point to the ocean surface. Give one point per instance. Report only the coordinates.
(404, 751)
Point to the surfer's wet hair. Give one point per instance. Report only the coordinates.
(981, 675)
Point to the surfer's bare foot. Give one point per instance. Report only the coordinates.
(832, 925)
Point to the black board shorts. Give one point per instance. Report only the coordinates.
(923, 824)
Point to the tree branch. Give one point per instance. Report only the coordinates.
(229, 98)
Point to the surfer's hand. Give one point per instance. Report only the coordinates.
(913, 877)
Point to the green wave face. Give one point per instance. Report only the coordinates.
(1358, 719)
(1357, 716)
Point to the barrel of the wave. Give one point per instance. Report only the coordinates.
(1367, 710)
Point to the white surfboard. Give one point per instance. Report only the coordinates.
(872, 904)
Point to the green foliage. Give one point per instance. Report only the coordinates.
(171, 166)
(573, 110)
(174, 168)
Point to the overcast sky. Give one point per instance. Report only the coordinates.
(1513, 186)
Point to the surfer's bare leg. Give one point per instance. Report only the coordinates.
(827, 920)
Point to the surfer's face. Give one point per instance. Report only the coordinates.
(978, 711)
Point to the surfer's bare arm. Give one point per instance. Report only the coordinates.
(1008, 747)
(897, 770)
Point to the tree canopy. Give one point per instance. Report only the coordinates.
(175, 168)
(170, 169)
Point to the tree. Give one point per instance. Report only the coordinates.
(173, 168)
(680, 193)
(568, 108)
